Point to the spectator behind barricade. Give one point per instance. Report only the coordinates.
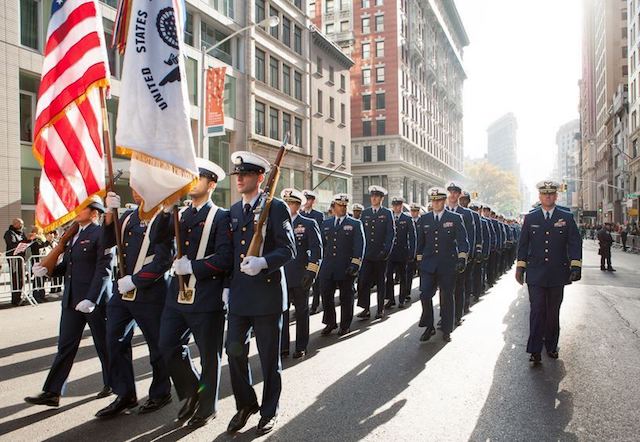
(624, 233)
(39, 246)
(12, 238)
(53, 238)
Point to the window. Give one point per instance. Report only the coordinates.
(273, 12)
(286, 79)
(188, 30)
(286, 31)
(297, 131)
(380, 100)
(230, 96)
(115, 59)
(365, 3)
(286, 124)
(297, 39)
(380, 127)
(259, 10)
(329, 6)
(379, 48)
(329, 28)
(378, 2)
(331, 74)
(345, 26)
(366, 154)
(343, 82)
(344, 5)
(332, 108)
(274, 123)
(366, 25)
(343, 112)
(260, 109)
(274, 72)
(366, 128)
(320, 147)
(366, 102)
(211, 36)
(343, 154)
(260, 75)
(332, 151)
(382, 154)
(297, 85)
(319, 66)
(366, 50)
(30, 25)
(379, 23)
(380, 74)
(191, 70)
(27, 112)
(366, 77)
(319, 102)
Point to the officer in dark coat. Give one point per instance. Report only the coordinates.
(301, 272)
(258, 294)
(471, 289)
(379, 233)
(12, 237)
(308, 211)
(493, 235)
(605, 240)
(482, 256)
(86, 267)
(415, 211)
(343, 253)
(357, 210)
(550, 251)
(462, 304)
(403, 251)
(198, 307)
(441, 252)
(495, 271)
(139, 299)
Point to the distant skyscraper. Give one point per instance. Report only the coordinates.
(567, 158)
(501, 144)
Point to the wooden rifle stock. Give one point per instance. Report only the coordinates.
(267, 197)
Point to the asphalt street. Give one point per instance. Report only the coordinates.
(379, 382)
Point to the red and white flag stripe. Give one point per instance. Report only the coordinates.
(68, 127)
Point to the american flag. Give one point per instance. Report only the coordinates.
(68, 123)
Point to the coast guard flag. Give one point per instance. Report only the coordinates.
(68, 123)
(153, 126)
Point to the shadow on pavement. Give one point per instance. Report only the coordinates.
(524, 402)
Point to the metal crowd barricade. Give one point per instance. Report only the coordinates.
(633, 242)
(35, 283)
(14, 278)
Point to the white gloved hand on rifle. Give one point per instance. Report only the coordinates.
(112, 201)
(39, 270)
(125, 285)
(182, 266)
(85, 306)
(252, 265)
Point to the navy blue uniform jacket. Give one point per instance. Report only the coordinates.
(343, 246)
(469, 225)
(404, 248)
(440, 244)
(315, 215)
(379, 232)
(308, 251)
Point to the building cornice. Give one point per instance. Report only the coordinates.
(321, 40)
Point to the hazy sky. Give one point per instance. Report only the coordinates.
(524, 57)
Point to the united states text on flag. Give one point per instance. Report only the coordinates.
(68, 126)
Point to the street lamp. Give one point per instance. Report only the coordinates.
(269, 22)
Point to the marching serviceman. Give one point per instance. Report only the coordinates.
(493, 236)
(86, 267)
(198, 308)
(357, 210)
(379, 233)
(258, 294)
(482, 258)
(343, 253)
(300, 273)
(452, 204)
(308, 211)
(403, 251)
(550, 252)
(414, 209)
(139, 299)
(442, 252)
(476, 258)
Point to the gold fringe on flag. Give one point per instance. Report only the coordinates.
(72, 214)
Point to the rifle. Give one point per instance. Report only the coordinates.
(255, 247)
(49, 261)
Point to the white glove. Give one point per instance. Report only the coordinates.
(168, 208)
(125, 285)
(182, 266)
(252, 265)
(85, 306)
(225, 296)
(39, 270)
(112, 201)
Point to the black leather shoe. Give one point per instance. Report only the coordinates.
(105, 392)
(603, 269)
(446, 337)
(266, 425)
(44, 398)
(459, 322)
(241, 417)
(198, 421)
(313, 310)
(389, 304)
(553, 354)
(536, 358)
(328, 329)
(401, 305)
(118, 406)
(364, 314)
(427, 334)
(284, 354)
(611, 269)
(188, 408)
(344, 331)
(154, 404)
(380, 314)
(299, 354)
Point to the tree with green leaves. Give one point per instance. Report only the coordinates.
(496, 187)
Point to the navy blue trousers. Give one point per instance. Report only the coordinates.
(328, 288)
(372, 271)
(429, 283)
(300, 298)
(544, 319)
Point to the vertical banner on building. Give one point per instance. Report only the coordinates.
(214, 117)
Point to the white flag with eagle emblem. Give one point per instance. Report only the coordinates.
(153, 126)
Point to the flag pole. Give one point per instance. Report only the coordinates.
(109, 187)
(176, 230)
